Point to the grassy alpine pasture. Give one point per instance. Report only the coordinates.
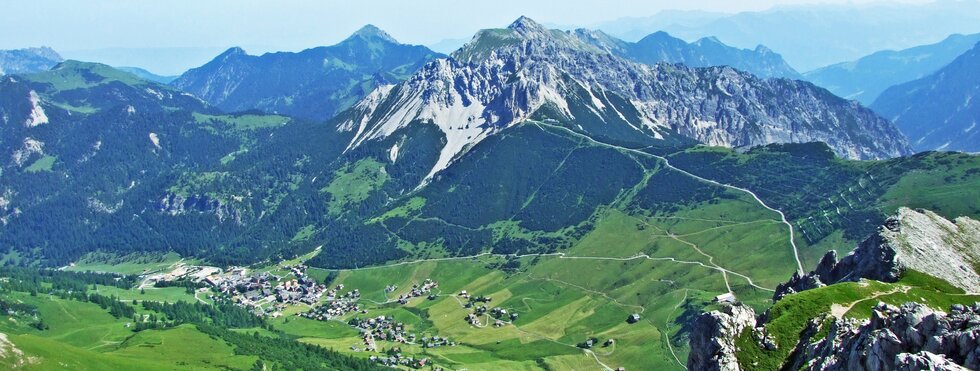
(45, 163)
(83, 336)
(136, 263)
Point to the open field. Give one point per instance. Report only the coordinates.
(83, 336)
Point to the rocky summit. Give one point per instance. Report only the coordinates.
(910, 337)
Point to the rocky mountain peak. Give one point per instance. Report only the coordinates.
(231, 52)
(526, 26)
(372, 32)
(45, 52)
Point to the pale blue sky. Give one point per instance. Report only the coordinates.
(298, 24)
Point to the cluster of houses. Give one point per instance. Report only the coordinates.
(500, 315)
(303, 290)
(337, 305)
(252, 290)
(397, 359)
(386, 329)
(417, 290)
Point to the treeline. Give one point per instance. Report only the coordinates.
(29, 279)
(220, 314)
(287, 354)
(116, 308)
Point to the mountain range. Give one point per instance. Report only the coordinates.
(505, 76)
(400, 137)
(313, 84)
(864, 79)
(937, 112)
(27, 60)
(706, 52)
(814, 36)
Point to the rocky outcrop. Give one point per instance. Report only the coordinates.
(911, 239)
(910, 337)
(713, 336)
(177, 204)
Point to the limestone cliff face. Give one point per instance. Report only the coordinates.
(713, 338)
(911, 239)
(176, 204)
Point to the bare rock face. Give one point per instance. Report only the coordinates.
(176, 204)
(910, 337)
(911, 239)
(713, 338)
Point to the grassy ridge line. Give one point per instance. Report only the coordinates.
(782, 216)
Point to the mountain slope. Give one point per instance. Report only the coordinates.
(938, 111)
(706, 52)
(505, 76)
(93, 144)
(27, 60)
(864, 79)
(314, 83)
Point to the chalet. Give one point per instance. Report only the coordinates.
(727, 297)
(633, 318)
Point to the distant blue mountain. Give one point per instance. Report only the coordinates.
(28, 60)
(818, 35)
(939, 111)
(864, 79)
(314, 84)
(706, 52)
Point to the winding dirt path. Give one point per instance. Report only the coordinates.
(782, 216)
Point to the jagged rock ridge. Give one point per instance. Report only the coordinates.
(504, 76)
(910, 337)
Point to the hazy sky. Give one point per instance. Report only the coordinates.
(296, 24)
